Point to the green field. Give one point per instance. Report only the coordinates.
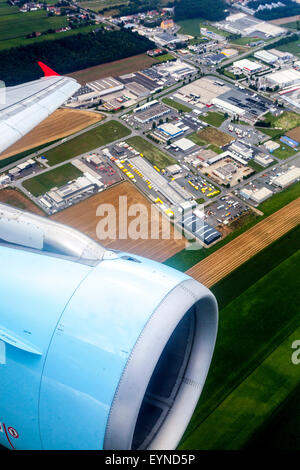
(165, 57)
(213, 118)
(251, 368)
(284, 151)
(292, 47)
(18, 156)
(185, 259)
(22, 41)
(281, 431)
(286, 121)
(101, 135)
(174, 104)
(20, 24)
(40, 184)
(192, 27)
(150, 152)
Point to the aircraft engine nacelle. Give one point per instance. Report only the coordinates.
(98, 349)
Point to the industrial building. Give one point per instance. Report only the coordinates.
(263, 160)
(171, 131)
(199, 228)
(266, 56)
(176, 69)
(248, 66)
(150, 111)
(283, 78)
(282, 56)
(288, 141)
(258, 196)
(292, 175)
(105, 86)
(59, 196)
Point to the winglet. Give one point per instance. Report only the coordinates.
(47, 71)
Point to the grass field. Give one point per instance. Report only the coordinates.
(174, 104)
(22, 41)
(153, 154)
(19, 24)
(261, 289)
(115, 68)
(40, 184)
(165, 57)
(286, 121)
(292, 47)
(62, 123)
(186, 259)
(101, 135)
(281, 431)
(284, 151)
(213, 118)
(192, 27)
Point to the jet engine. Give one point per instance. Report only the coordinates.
(99, 349)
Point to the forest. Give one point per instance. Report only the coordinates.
(210, 10)
(290, 8)
(69, 54)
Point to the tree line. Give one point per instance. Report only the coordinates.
(207, 9)
(66, 55)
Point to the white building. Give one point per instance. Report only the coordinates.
(248, 66)
(263, 160)
(292, 175)
(266, 57)
(284, 78)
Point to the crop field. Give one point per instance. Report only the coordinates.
(220, 263)
(186, 259)
(115, 68)
(150, 152)
(294, 134)
(16, 199)
(61, 123)
(101, 135)
(83, 216)
(210, 135)
(42, 183)
(254, 372)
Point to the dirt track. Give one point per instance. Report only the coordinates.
(61, 123)
(219, 264)
(83, 217)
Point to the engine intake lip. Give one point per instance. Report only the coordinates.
(187, 296)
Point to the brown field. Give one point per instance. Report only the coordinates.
(214, 136)
(294, 134)
(118, 67)
(61, 123)
(287, 19)
(16, 199)
(219, 264)
(83, 217)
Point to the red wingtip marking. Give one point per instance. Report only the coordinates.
(47, 71)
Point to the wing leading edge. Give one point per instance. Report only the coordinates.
(28, 104)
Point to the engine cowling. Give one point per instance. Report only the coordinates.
(98, 349)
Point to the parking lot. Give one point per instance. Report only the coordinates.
(225, 210)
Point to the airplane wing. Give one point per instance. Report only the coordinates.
(26, 105)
